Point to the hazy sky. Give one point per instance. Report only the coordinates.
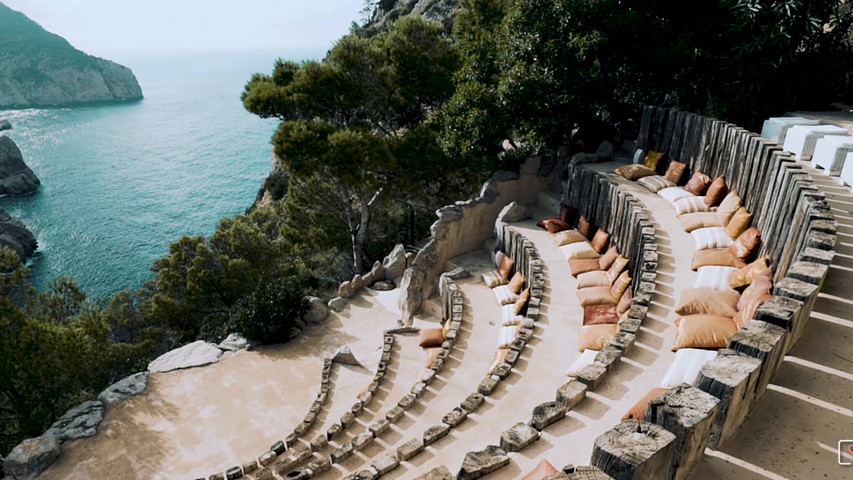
(126, 27)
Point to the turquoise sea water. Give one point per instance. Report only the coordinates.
(121, 182)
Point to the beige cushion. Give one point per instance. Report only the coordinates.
(721, 257)
(716, 278)
(430, 337)
(728, 207)
(500, 357)
(674, 171)
(638, 411)
(634, 172)
(754, 295)
(599, 241)
(716, 191)
(690, 205)
(567, 237)
(596, 337)
(616, 268)
(523, 298)
(620, 285)
(703, 331)
(625, 302)
(608, 258)
(579, 250)
(655, 183)
(695, 221)
(595, 296)
(505, 295)
(707, 301)
(710, 237)
(517, 282)
(597, 278)
(739, 223)
(583, 265)
(673, 194)
(749, 273)
(505, 266)
(544, 469)
(493, 279)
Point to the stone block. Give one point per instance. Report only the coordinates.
(794, 289)
(634, 450)
(250, 467)
(380, 427)
(547, 413)
(360, 442)
(571, 393)
(518, 437)
(455, 417)
(278, 447)
(342, 453)
(473, 402)
(394, 414)
(320, 466)
(488, 385)
(319, 442)
(333, 431)
(730, 377)
(418, 389)
(347, 419)
(480, 463)
(435, 433)
(234, 473)
(264, 474)
(410, 449)
(407, 401)
(438, 473)
(30, 457)
(623, 341)
(591, 375)
(503, 370)
(267, 458)
(385, 463)
(813, 273)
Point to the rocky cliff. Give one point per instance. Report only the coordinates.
(16, 178)
(387, 11)
(16, 236)
(38, 68)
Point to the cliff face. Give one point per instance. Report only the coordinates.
(38, 68)
(387, 11)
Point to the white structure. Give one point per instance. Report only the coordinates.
(846, 176)
(830, 152)
(801, 139)
(776, 128)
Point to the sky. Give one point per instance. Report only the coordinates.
(110, 28)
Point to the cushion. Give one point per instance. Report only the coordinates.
(710, 237)
(579, 250)
(673, 194)
(707, 301)
(652, 159)
(430, 337)
(690, 205)
(703, 331)
(445, 328)
(728, 207)
(625, 302)
(517, 282)
(638, 411)
(716, 278)
(599, 241)
(616, 268)
(720, 257)
(544, 469)
(505, 266)
(554, 224)
(598, 278)
(583, 265)
(746, 245)
(432, 354)
(757, 293)
(608, 258)
(500, 357)
(596, 337)
(686, 366)
(600, 315)
(586, 358)
(567, 213)
(567, 237)
(505, 295)
(655, 183)
(595, 296)
(508, 315)
(506, 336)
(716, 191)
(695, 221)
(749, 273)
(584, 227)
(493, 279)
(620, 285)
(739, 223)
(634, 172)
(499, 255)
(523, 298)
(674, 171)
(698, 183)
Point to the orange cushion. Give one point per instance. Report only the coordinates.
(716, 191)
(728, 207)
(616, 268)
(517, 282)
(584, 265)
(703, 331)
(675, 171)
(430, 337)
(505, 266)
(634, 172)
(610, 256)
(746, 275)
(584, 227)
(600, 315)
(595, 296)
(596, 337)
(708, 301)
(698, 183)
(553, 224)
(432, 354)
(755, 294)
(746, 245)
(599, 241)
(638, 411)
(523, 298)
(544, 469)
(695, 221)
(739, 223)
(625, 302)
(720, 257)
(620, 285)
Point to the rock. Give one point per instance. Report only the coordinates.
(346, 289)
(513, 213)
(360, 442)
(478, 464)
(81, 421)
(457, 273)
(385, 463)
(395, 263)
(410, 449)
(455, 417)
(518, 437)
(571, 393)
(547, 413)
(30, 457)
(337, 304)
(582, 158)
(377, 272)
(195, 354)
(316, 311)
(16, 178)
(344, 356)
(438, 473)
(383, 286)
(342, 453)
(436, 433)
(234, 342)
(604, 151)
(473, 402)
(5, 125)
(450, 213)
(15, 235)
(411, 296)
(128, 387)
(357, 283)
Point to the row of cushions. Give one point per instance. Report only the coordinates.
(513, 297)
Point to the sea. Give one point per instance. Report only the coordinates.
(121, 182)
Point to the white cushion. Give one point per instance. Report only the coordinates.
(711, 237)
(686, 366)
(714, 277)
(655, 183)
(690, 205)
(493, 279)
(674, 194)
(506, 336)
(508, 316)
(505, 295)
(579, 250)
(586, 358)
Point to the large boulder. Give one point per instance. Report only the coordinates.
(195, 354)
(411, 294)
(16, 178)
(344, 356)
(316, 310)
(5, 125)
(513, 212)
(395, 263)
(31, 457)
(128, 387)
(234, 342)
(15, 235)
(81, 421)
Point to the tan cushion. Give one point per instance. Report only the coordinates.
(500, 357)
(597, 278)
(616, 268)
(634, 172)
(600, 315)
(432, 354)
(739, 223)
(674, 171)
(567, 237)
(652, 159)
(517, 282)
(655, 183)
(638, 411)
(553, 224)
(608, 258)
(493, 279)
(716, 191)
(445, 328)
(749, 273)
(625, 302)
(595, 296)
(596, 337)
(579, 250)
(430, 337)
(688, 205)
(583, 265)
(746, 245)
(703, 331)
(505, 266)
(695, 221)
(754, 295)
(523, 298)
(728, 207)
(599, 241)
(707, 301)
(715, 256)
(620, 285)
(544, 469)
(585, 227)
(698, 183)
